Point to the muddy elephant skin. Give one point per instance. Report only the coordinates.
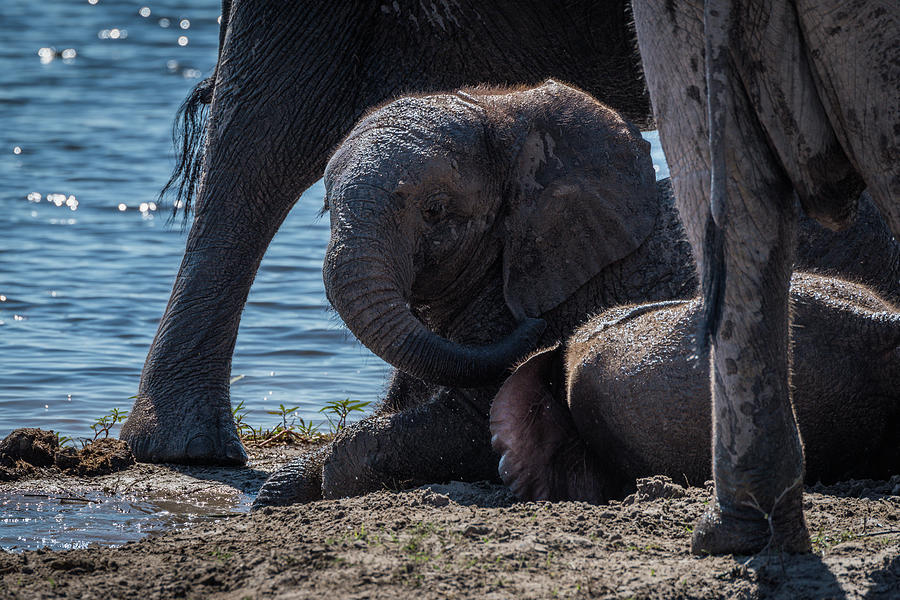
(290, 81)
(627, 397)
(460, 219)
(760, 103)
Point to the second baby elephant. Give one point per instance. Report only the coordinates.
(626, 399)
(468, 229)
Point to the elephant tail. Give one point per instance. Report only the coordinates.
(713, 283)
(189, 137)
(189, 133)
(717, 24)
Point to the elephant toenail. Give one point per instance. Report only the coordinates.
(235, 453)
(200, 447)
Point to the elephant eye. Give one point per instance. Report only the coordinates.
(434, 207)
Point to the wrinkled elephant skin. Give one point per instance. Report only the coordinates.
(458, 217)
(757, 102)
(290, 81)
(627, 398)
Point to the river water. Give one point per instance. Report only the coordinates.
(88, 91)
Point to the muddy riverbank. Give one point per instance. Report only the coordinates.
(451, 540)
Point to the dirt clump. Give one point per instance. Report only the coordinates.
(25, 451)
(101, 457)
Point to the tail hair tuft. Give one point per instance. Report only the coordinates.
(189, 137)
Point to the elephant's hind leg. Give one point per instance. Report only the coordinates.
(757, 453)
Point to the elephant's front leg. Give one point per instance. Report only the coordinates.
(757, 453)
(446, 438)
(420, 434)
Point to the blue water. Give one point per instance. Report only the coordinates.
(87, 259)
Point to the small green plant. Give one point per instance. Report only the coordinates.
(104, 424)
(62, 440)
(293, 428)
(238, 413)
(361, 534)
(307, 430)
(337, 411)
(283, 412)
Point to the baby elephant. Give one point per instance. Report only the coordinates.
(628, 399)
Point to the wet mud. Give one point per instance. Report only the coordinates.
(463, 540)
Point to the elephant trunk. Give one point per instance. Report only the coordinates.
(368, 281)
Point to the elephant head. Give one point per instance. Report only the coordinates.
(433, 199)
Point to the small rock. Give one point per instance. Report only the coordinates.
(474, 530)
(659, 486)
(432, 498)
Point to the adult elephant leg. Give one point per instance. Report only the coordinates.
(446, 438)
(182, 412)
(757, 454)
(854, 58)
(260, 156)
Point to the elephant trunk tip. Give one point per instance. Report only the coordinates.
(467, 366)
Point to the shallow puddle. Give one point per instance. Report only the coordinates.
(29, 521)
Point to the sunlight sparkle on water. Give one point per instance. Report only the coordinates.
(182, 40)
(113, 34)
(17, 150)
(184, 24)
(144, 12)
(48, 54)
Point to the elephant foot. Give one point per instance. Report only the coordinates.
(748, 531)
(297, 482)
(357, 463)
(446, 438)
(203, 436)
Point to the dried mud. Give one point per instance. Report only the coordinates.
(458, 540)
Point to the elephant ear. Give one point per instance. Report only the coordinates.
(542, 455)
(582, 195)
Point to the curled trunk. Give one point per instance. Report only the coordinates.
(367, 280)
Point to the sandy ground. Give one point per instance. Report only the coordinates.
(455, 540)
